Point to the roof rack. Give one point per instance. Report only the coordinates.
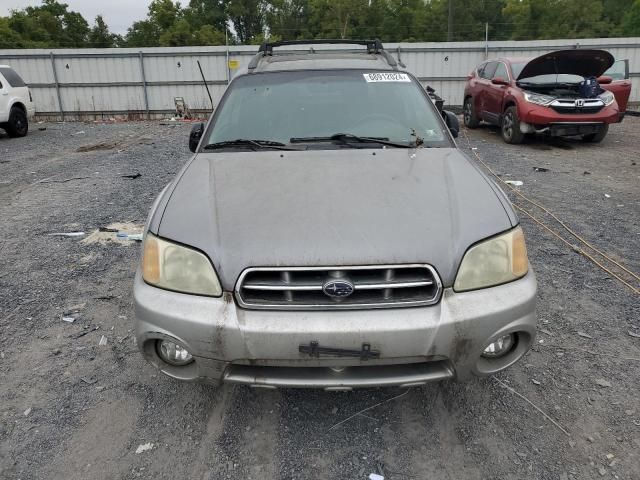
(373, 47)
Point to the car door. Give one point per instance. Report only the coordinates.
(495, 94)
(4, 99)
(621, 84)
(484, 89)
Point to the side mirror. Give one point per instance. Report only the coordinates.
(499, 81)
(604, 80)
(195, 136)
(452, 122)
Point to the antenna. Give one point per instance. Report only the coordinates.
(204, 80)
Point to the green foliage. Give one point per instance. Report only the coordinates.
(100, 37)
(204, 22)
(631, 23)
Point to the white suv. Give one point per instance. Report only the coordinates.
(16, 103)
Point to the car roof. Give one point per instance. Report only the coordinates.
(303, 55)
(323, 61)
(509, 59)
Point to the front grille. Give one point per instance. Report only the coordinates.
(329, 288)
(577, 106)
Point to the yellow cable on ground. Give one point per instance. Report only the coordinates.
(578, 237)
(580, 251)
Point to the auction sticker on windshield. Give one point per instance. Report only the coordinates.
(386, 77)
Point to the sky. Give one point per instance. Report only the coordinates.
(119, 14)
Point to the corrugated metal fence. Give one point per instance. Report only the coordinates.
(86, 83)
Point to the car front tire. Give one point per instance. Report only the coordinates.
(598, 136)
(18, 124)
(510, 126)
(469, 115)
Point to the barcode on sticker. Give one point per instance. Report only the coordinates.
(386, 77)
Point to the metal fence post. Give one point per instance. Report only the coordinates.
(55, 80)
(144, 83)
(486, 40)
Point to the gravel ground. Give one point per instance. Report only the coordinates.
(72, 409)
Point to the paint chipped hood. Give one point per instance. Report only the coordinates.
(333, 207)
(586, 63)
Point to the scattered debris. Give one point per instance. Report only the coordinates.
(540, 169)
(603, 383)
(69, 319)
(634, 334)
(535, 382)
(97, 146)
(533, 405)
(113, 233)
(103, 341)
(81, 132)
(27, 412)
(42, 129)
(84, 332)
(105, 297)
(546, 332)
(66, 234)
(515, 183)
(65, 180)
(369, 408)
(602, 471)
(136, 237)
(586, 172)
(375, 476)
(144, 447)
(584, 335)
(132, 176)
(89, 381)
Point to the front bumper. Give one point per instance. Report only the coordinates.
(541, 117)
(261, 348)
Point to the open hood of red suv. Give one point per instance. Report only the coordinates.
(586, 63)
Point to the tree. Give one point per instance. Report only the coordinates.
(207, 12)
(288, 19)
(8, 37)
(248, 18)
(631, 23)
(100, 36)
(143, 33)
(49, 25)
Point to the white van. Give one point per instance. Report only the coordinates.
(16, 103)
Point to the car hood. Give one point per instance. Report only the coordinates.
(586, 63)
(333, 207)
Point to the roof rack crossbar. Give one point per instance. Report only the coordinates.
(373, 47)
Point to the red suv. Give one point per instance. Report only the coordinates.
(556, 94)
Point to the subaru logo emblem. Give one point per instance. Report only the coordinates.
(338, 288)
(580, 103)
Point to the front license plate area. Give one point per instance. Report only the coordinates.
(314, 350)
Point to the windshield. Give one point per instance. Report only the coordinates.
(281, 106)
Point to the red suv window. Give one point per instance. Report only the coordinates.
(487, 70)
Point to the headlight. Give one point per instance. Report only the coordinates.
(538, 98)
(175, 267)
(173, 354)
(607, 97)
(492, 262)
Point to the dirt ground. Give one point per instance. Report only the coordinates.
(71, 408)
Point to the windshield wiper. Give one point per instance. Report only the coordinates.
(348, 138)
(250, 143)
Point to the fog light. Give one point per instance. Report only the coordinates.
(500, 347)
(173, 354)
